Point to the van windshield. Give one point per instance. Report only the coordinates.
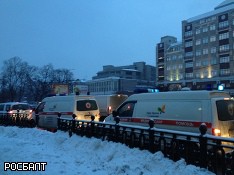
(225, 110)
(86, 105)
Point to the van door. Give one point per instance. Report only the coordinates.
(225, 118)
(86, 108)
(126, 112)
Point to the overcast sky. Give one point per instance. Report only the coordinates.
(84, 35)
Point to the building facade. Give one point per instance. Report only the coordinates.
(207, 52)
(122, 79)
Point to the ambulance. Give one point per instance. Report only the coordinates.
(180, 111)
(83, 106)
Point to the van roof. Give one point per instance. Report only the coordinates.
(68, 97)
(180, 95)
(12, 103)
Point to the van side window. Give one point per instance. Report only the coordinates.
(8, 107)
(1, 107)
(126, 110)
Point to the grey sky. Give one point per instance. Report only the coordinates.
(84, 35)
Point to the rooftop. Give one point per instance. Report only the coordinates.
(223, 7)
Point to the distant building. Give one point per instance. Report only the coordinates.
(123, 79)
(207, 52)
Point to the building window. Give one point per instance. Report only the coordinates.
(212, 38)
(212, 27)
(198, 42)
(189, 54)
(189, 75)
(202, 21)
(224, 71)
(188, 43)
(213, 50)
(223, 24)
(188, 33)
(189, 64)
(205, 40)
(198, 31)
(214, 73)
(224, 36)
(213, 18)
(205, 51)
(168, 68)
(225, 59)
(198, 63)
(198, 53)
(205, 29)
(205, 63)
(224, 48)
(213, 61)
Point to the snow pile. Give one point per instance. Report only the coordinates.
(81, 155)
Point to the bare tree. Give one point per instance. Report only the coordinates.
(14, 76)
(62, 76)
(19, 81)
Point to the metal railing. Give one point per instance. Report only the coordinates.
(213, 153)
(16, 119)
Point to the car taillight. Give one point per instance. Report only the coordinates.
(216, 132)
(109, 109)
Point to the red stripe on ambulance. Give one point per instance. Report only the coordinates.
(167, 122)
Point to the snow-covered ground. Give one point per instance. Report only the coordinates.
(82, 156)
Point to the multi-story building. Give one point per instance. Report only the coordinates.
(207, 52)
(114, 79)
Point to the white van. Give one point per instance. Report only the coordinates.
(12, 108)
(82, 106)
(109, 103)
(180, 110)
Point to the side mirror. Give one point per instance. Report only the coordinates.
(115, 113)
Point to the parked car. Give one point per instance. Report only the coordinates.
(16, 107)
